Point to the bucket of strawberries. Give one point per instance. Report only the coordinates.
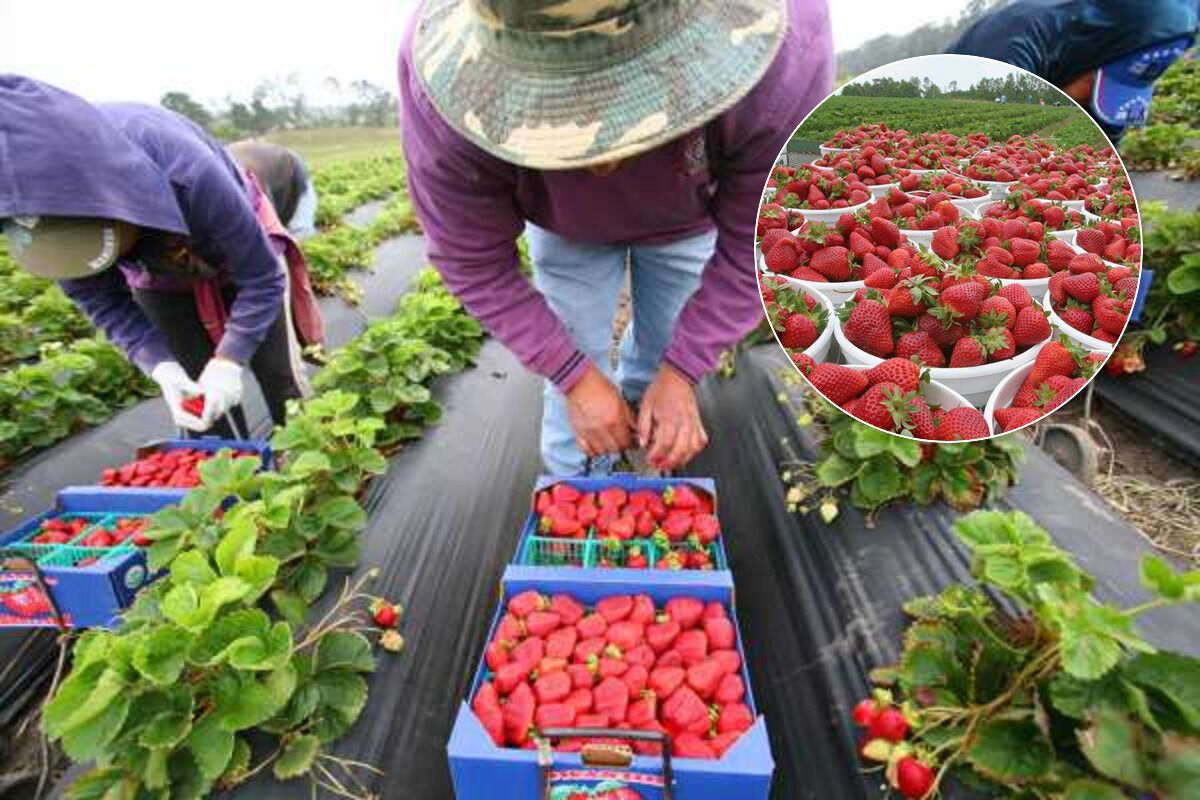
(1060, 371)
(799, 316)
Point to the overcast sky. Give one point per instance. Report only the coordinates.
(941, 69)
(138, 49)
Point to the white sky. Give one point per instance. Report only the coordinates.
(139, 49)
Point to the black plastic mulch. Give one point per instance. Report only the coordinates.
(1162, 400)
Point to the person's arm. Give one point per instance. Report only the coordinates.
(465, 202)
(108, 303)
(727, 306)
(218, 212)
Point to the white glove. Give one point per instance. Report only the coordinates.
(176, 385)
(221, 385)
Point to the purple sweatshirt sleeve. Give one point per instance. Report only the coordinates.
(467, 207)
(727, 305)
(108, 302)
(219, 211)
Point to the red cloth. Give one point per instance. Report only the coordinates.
(306, 315)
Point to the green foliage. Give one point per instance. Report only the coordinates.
(998, 121)
(1172, 249)
(1030, 685)
(216, 664)
(1156, 146)
(1177, 93)
(343, 186)
(873, 468)
(81, 384)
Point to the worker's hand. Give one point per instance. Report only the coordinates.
(176, 385)
(669, 423)
(601, 418)
(221, 385)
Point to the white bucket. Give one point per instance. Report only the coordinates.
(1090, 342)
(829, 215)
(835, 293)
(881, 190)
(818, 351)
(828, 150)
(1002, 396)
(974, 383)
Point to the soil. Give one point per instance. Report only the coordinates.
(1155, 492)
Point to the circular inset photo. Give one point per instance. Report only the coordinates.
(948, 248)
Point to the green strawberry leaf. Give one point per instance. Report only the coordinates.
(297, 757)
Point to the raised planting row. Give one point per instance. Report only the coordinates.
(219, 645)
(343, 186)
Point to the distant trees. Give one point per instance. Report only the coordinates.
(281, 103)
(1017, 87)
(932, 38)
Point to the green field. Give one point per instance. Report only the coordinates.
(321, 146)
(1067, 125)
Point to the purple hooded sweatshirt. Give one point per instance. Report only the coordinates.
(473, 207)
(63, 156)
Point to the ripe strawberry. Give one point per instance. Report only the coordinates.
(883, 406)
(704, 677)
(735, 718)
(1083, 286)
(865, 712)
(687, 611)
(518, 712)
(999, 343)
(921, 346)
(553, 687)
(962, 423)
(943, 335)
(486, 706)
(689, 745)
(798, 332)
(1086, 262)
(611, 698)
(885, 232)
(1024, 251)
(838, 383)
(868, 325)
(782, 259)
(692, 646)
(997, 310)
(968, 352)
(889, 724)
(729, 660)
(1091, 240)
(903, 372)
(1059, 254)
(914, 778)
(625, 634)
(731, 689)
(803, 362)
(193, 405)
(720, 633)
(568, 608)
(832, 262)
(1077, 317)
(1010, 419)
(665, 680)
(1032, 327)
(684, 709)
(963, 300)
(385, 614)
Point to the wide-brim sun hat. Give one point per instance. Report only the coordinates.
(562, 84)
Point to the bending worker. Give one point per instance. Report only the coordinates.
(154, 232)
(1105, 54)
(630, 135)
(282, 175)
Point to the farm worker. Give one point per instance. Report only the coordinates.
(615, 134)
(152, 230)
(1105, 54)
(282, 175)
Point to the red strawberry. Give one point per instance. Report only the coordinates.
(1091, 240)
(885, 232)
(689, 745)
(625, 635)
(963, 300)
(565, 494)
(781, 259)
(486, 706)
(1086, 262)
(913, 778)
(735, 717)
(869, 326)
(561, 643)
(553, 687)
(662, 635)
(901, 371)
(525, 603)
(798, 332)
(692, 646)
(706, 528)
(704, 677)
(593, 625)
(968, 352)
(687, 611)
(684, 709)
(729, 660)
(554, 715)
(615, 608)
(542, 623)
(518, 714)
(962, 423)
(611, 698)
(193, 405)
(945, 242)
(838, 383)
(1012, 418)
(1024, 251)
(1059, 254)
(568, 608)
(665, 680)
(1111, 314)
(865, 713)
(889, 724)
(731, 689)
(882, 405)
(1083, 286)
(1032, 327)
(920, 345)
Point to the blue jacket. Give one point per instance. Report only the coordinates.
(63, 156)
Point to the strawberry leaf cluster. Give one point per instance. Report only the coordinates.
(1026, 685)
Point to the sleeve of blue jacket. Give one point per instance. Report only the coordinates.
(108, 303)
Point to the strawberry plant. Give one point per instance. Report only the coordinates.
(218, 672)
(1026, 685)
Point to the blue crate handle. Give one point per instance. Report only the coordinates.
(238, 433)
(1139, 300)
(617, 759)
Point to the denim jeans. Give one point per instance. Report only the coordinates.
(582, 283)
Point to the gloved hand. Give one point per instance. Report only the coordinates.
(221, 385)
(176, 385)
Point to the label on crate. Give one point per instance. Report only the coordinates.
(589, 784)
(22, 601)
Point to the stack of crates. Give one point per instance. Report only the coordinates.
(77, 583)
(589, 569)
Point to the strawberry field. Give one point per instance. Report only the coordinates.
(338, 630)
(1066, 124)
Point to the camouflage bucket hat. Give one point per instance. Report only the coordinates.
(559, 84)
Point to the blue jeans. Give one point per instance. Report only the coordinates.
(582, 283)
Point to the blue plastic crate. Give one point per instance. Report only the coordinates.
(482, 770)
(94, 595)
(1143, 290)
(554, 553)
